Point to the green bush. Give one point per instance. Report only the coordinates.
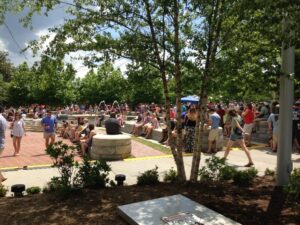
(92, 174)
(33, 190)
(227, 173)
(63, 156)
(211, 171)
(58, 187)
(269, 172)
(293, 188)
(171, 176)
(3, 190)
(245, 177)
(149, 177)
(112, 183)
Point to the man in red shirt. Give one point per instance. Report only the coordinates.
(248, 116)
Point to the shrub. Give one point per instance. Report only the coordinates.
(245, 177)
(227, 173)
(62, 156)
(149, 177)
(112, 183)
(293, 188)
(211, 172)
(92, 174)
(63, 159)
(269, 172)
(58, 187)
(171, 176)
(33, 190)
(3, 190)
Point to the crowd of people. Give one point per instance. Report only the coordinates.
(238, 121)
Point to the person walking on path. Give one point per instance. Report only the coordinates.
(49, 124)
(237, 134)
(18, 131)
(3, 125)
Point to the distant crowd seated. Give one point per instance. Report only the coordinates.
(87, 141)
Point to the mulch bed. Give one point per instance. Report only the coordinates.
(247, 205)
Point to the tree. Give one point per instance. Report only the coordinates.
(21, 87)
(144, 85)
(142, 31)
(106, 84)
(6, 72)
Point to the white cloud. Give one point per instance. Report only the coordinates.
(3, 46)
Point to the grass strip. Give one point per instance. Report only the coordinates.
(155, 146)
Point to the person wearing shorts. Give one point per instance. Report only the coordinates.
(49, 123)
(3, 126)
(214, 122)
(237, 134)
(248, 116)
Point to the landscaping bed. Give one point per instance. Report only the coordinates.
(247, 205)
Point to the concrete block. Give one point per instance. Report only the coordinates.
(152, 211)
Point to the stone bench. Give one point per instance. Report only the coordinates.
(262, 132)
(113, 147)
(157, 136)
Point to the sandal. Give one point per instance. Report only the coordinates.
(249, 164)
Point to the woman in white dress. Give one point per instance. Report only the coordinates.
(18, 131)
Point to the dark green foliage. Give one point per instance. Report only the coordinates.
(63, 159)
(92, 174)
(227, 173)
(112, 183)
(211, 172)
(171, 176)
(245, 177)
(269, 172)
(3, 190)
(293, 188)
(33, 190)
(217, 169)
(149, 177)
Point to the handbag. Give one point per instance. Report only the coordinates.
(237, 130)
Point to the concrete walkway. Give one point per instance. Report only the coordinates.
(133, 167)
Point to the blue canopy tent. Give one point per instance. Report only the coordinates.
(190, 98)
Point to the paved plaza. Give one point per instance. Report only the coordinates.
(37, 171)
(32, 153)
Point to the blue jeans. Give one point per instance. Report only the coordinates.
(235, 137)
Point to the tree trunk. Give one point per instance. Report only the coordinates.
(177, 156)
(215, 21)
(179, 144)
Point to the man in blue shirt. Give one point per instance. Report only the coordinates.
(49, 124)
(3, 126)
(214, 121)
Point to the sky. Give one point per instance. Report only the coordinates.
(13, 29)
